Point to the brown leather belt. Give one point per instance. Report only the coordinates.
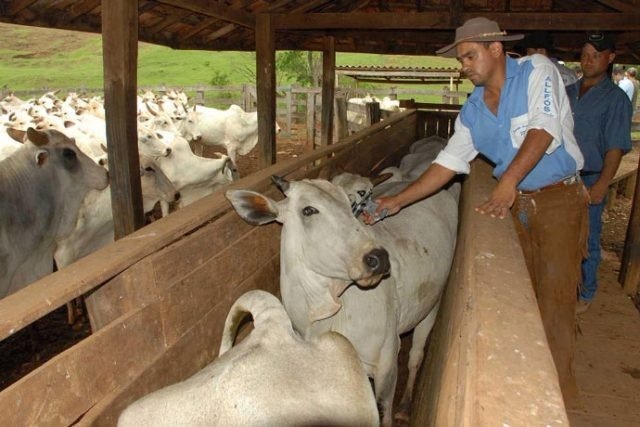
(573, 179)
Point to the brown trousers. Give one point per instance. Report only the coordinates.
(552, 225)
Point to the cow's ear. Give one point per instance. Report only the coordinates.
(37, 137)
(253, 207)
(41, 157)
(16, 134)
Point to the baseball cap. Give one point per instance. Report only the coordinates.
(601, 41)
(538, 39)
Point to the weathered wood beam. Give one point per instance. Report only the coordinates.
(442, 21)
(365, 21)
(120, 53)
(81, 8)
(166, 22)
(328, 90)
(214, 9)
(231, 27)
(17, 6)
(620, 5)
(456, 7)
(307, 6)
(564, 21)
(195, 30)
(265, 89)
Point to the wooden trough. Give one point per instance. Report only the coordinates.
(158, 298)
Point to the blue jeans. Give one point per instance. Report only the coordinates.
(591, 263)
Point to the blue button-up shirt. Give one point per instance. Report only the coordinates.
(603, 121)
(532, 97)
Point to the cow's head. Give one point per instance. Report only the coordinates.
(319, 232)
(55, 149)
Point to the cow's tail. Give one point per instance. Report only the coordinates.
(267, 312)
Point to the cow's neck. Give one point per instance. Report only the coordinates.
(309, 297)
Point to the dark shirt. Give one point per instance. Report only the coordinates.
(602, 121)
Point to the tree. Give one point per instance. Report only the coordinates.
(304, 68)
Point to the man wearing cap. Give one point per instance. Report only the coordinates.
(602, 115)
(541, 42)
(519, 117)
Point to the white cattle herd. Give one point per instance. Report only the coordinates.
(46, 215)
(325, 355)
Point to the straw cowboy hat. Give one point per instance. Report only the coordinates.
(477, 30)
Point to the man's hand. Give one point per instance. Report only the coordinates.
(598, 192)
(391, 205)
(501, 200)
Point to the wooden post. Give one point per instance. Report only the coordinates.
(630, 266)
(328, 88)
(266, 89)
(373, 113)
(311, 120)
(341, 127)
(289, 99)
(120, 53)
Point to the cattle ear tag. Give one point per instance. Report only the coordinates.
(41, 157)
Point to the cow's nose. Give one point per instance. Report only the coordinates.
(176, 196)
(378, 261)
(168, 152)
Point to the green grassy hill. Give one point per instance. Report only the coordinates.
(35, 58)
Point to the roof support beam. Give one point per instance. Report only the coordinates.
(120, 53)
(266, 89)
(442, 20)
(214, 9)
(328, 90)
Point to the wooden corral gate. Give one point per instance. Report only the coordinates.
(158, 299)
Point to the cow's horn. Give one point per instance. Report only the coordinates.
(281, 183)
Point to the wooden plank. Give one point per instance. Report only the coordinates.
(328, 90)
(311, 121)
(68, 385)
(191, 298)
(200, 247)
(266, 85)
(214, 10)
(342, 127)
(120, 54)
(194, 350)
(47, 294)
(442, 21)
(630, 264)
(130, 290)
(482, 368)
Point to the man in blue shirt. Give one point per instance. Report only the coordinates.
(519, 117)
(602, 114)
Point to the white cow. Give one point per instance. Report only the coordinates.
(421, 154)
(94, 226)
(272, 378)
(41, 188)
(193, 176)
(324, 250)
(233, 128)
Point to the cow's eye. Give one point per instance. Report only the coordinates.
(309, 210)
(69, 154)
(149, 169)
(361, 193)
